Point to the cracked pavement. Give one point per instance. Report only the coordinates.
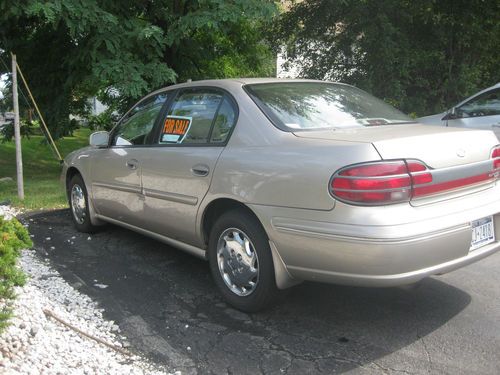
(168, 308)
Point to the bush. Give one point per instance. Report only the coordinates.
(13, 238)
(103, 121)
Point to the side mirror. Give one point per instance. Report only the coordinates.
(99, 139)
(451, 114)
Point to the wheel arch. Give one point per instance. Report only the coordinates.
(216, 208)
(70, 173)
(220, 205)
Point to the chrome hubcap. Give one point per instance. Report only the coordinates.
(78, 203)
(238, 262)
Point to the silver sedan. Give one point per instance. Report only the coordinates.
(480, 111)
(279, 181)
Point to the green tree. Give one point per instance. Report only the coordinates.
(421, 56)
(119, 50)
(5, 105)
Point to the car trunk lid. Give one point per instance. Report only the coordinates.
(459, 160)
(436, 146)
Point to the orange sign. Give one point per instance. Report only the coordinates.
(176, 125)
(175, 129)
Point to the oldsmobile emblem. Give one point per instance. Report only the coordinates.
(461, 153)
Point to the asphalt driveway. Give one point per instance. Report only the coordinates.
(166, 304)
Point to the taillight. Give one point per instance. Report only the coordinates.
(396, 181)
(495, 155)
(373, 183)
(419, 172)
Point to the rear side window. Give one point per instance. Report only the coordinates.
(199, 116)
(190, 117)
(224, 122)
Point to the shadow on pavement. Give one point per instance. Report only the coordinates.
(166, 304)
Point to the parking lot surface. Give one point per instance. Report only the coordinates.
(168, 308)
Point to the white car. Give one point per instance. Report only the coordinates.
(480, 111)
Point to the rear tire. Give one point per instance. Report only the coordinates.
(241, 261)
(79, 205)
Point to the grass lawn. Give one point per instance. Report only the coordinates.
(41, 171)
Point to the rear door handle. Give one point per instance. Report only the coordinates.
(132, 163)
(496, 125)
(200, 170)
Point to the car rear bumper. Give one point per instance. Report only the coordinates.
(379, 252)
(379, 263)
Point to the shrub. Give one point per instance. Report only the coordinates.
(13, 238)
(103, 121)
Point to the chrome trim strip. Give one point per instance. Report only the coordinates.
(380, 241)
(125, 188)
(193, 250)
(174, 197)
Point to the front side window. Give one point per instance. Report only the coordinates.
(487, 104)
(136, 126)
(198, 116)
(294, 106)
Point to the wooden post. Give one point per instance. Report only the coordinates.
(17, 132)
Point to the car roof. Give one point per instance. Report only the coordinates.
(232, 82)
(246, 81)
(225, 83)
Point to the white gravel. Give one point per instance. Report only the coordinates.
(8, 212)
(34, 343)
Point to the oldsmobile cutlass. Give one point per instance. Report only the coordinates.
(279, 181)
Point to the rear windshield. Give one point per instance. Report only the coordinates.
(296, 106)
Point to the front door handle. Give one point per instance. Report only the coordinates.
(132, 163)
(200, 170)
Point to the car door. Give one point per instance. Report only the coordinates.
(480, 112)
(116, 170)
(177, 172)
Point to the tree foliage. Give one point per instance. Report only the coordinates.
(119, 50)
(421, 56)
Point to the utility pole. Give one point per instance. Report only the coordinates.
(17, 132)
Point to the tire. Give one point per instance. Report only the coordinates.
(239, 249)
(79, 205)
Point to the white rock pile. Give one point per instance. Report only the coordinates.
(8, 212)
(35, 343)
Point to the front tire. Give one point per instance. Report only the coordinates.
(79, 205)
(241, 261)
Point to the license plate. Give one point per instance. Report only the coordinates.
(483, 233)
